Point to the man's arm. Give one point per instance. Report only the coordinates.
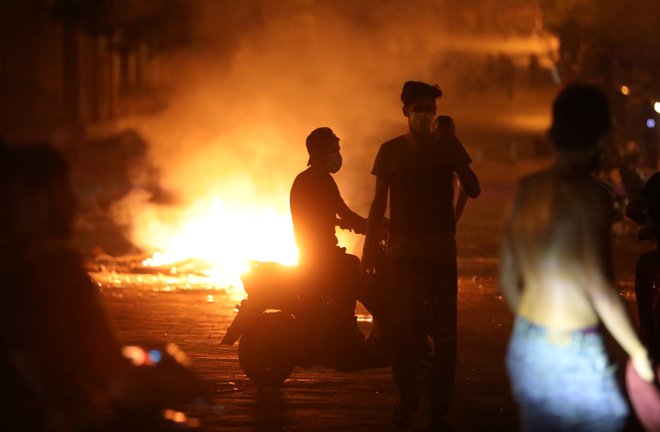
(376, 214)
(348, 219)
(510, 280)
(461, 201)
(510, 277)
(469, 180)
(602, 293)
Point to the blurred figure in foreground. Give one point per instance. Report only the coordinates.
(61, 357)
(416, 171)
(647, 271)
(554, 275)
(444, 126)
(316, 209)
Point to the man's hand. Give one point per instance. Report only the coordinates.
(367, 265)
(643, 366)
(359, 226)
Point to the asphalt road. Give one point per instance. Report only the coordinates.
(195, 317)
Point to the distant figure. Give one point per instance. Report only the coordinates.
(60, 351)
(534, 71)
(416, 171)
(316, 209)
(506, 71)
(555, 277)
(647, 272)
(444, 126)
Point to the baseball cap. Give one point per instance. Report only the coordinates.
(321, 141)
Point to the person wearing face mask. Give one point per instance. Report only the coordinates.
(416, 171)
(316, 209)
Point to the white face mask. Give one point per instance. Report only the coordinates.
(421, 121)
(333, 162)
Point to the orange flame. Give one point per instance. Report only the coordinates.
(224, 235)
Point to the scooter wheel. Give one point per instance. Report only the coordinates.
(265, 351)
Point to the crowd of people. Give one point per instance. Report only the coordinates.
(61, 363)
(555, 263)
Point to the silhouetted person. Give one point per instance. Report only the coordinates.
(444, 126)
(416, 171)
(61, 350)
(316, 208)
(555, 277)
(647, 270)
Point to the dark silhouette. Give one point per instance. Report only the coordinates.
(555, 277)
(60, 355)
(304, 316)
(316, 208)
(284, 322)
(647, 272)
(416, 171)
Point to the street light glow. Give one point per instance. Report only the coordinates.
(656, 107)
(625, 90)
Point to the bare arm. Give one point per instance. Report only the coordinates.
(461, 201)
(510, 279)
(510, 275)
(351, 220)
(469, 181)
(376, 214)
(603, 294)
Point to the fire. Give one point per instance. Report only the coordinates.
(224, 235)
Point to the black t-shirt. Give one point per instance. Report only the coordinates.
(421, 184)
(315, 201)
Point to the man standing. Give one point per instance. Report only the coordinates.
(416, 170)
(555, 277)
(316, 208)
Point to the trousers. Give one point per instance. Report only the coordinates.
(422, 303)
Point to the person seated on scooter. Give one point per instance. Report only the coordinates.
(316, 208)
(647, 270)
(58, 344)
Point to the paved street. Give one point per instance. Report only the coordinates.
(155, 308)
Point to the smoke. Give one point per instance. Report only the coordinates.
(261, 75)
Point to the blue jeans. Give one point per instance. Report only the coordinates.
(566, 383)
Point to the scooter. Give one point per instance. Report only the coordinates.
(281, 325)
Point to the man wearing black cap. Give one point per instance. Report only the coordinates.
(316, 208)
(416, 171)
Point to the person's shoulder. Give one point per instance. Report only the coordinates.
(592, 202)
(312, 178)
(530, 181)
(446, 140)
(302, 177)
(393, 144)
(593, 192)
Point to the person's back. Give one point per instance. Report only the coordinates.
(550, 226)
(555, 277)
(314, 205)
